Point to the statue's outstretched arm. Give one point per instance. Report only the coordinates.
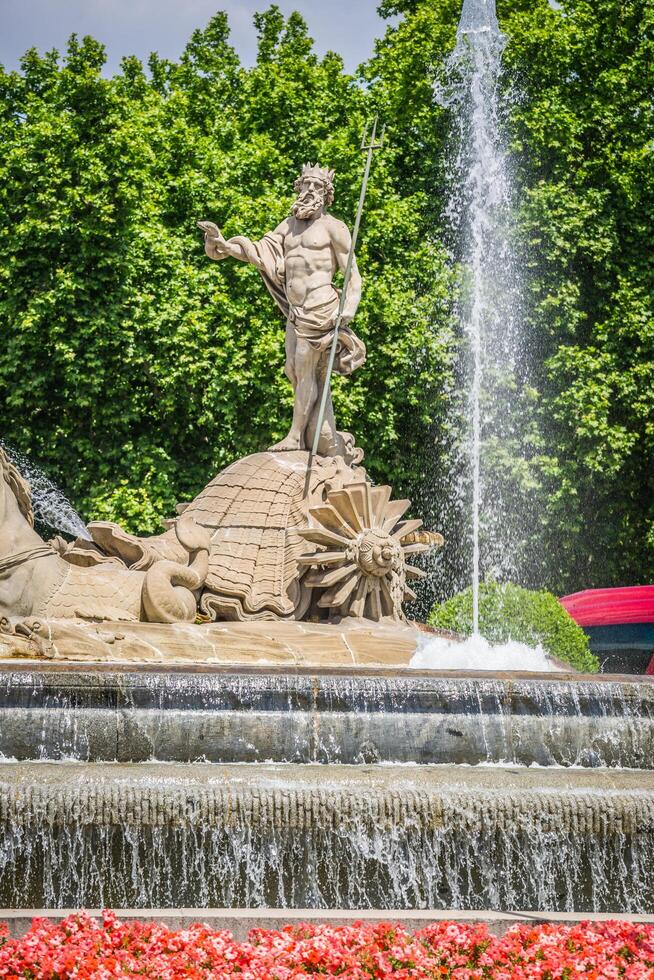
(342, 243)
(217, 247)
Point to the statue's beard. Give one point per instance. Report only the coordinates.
(307, 206)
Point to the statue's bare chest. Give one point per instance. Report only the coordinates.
(314, 237)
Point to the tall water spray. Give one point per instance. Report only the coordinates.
(478, 209)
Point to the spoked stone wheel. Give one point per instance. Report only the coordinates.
(359, 566)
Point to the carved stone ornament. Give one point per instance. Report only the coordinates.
(36, 580)
(359, 568)
(274, 536)
(265, 514)
(252, 511)
(298, 260)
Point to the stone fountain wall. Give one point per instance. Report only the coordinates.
(146, 787)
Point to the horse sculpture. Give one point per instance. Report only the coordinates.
(36, 581)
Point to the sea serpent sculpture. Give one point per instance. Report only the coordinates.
(35, 581)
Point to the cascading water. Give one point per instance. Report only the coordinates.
(50, 505)
(317, 836)
(148, 787)
(60, 713)
(478, 210)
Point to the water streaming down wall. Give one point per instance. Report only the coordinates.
(140, 716)
(308, 836)
(323, 789)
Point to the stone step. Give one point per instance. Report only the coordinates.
(312, 836)
(240, 921)
(109, 713)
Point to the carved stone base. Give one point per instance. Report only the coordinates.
(357, 643)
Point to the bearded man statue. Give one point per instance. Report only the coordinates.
(298, 261)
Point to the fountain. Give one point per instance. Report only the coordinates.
(51, 506)
(236, 713)
(489, 310)
(318, 788)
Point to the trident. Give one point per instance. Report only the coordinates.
(370, 148)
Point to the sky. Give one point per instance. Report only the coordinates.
(141, 26)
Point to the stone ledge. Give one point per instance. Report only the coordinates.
(281, 643)
(240, 921)
(312, 797)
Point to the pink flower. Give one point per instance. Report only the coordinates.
(81, 948)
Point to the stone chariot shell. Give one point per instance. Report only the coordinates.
(254, 509)
(291, 542)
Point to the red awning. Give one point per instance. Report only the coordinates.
(611, 607)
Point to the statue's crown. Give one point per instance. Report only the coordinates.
(322, 173)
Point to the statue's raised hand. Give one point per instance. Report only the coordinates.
(214, 243)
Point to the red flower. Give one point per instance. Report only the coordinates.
(81, 948)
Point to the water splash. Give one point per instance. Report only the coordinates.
(50, 504)
(478, 210)
(476, 653)
(478, 16)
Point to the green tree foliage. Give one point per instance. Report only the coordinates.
(583, 139)
(508, 612)
(132, 368)
(581, 132)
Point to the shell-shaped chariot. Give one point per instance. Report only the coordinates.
(292, 541)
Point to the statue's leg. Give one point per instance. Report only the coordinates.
(307, 359)
(290, 344)
(329, 444)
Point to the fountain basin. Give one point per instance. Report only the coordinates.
(232, 715)
(312, 837)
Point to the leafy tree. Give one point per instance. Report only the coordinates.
(583, 138)
(133, 369)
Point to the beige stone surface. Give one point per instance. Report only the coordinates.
(359, 565)
(286, 644)
(37, 582)
(276, 535)
(293, 538)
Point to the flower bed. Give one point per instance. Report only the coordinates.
(82, 948)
